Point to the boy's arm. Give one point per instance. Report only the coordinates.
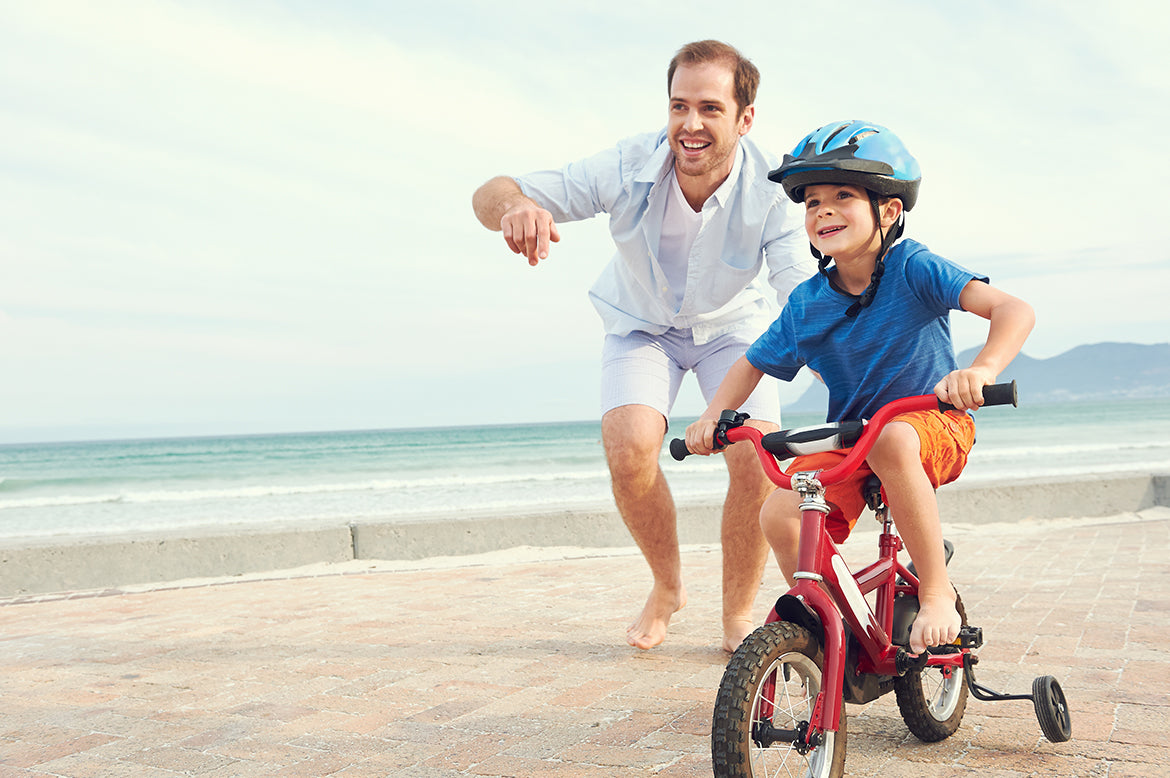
(1011, 320)
(737, 386)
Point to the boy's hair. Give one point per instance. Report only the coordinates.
(747, 77)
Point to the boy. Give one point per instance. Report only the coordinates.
(873, 324)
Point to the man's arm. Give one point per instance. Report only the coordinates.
(528, 229)
(787, 255)
(1011, 320)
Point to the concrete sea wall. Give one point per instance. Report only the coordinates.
(86, 563)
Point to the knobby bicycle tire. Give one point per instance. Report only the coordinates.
(774, 676)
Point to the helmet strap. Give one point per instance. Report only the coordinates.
(879, 266)
(823, 260)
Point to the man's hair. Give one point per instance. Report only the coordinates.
(747, 77)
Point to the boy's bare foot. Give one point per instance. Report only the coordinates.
(938, 621)
(734, 631)
(650, 627)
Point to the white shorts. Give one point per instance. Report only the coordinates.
(644, 369)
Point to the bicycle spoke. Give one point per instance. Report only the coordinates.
(792, 703)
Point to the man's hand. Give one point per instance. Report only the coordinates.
(964, 388)
(528, 230)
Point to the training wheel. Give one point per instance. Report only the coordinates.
(1051, 709)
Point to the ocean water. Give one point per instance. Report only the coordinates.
(97, 487)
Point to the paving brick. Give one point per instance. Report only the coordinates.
(490, 669)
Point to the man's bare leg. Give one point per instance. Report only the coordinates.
(745, 551)
(632, 436)
(780, 521)
(896, 460)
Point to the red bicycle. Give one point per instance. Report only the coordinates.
(780, 707)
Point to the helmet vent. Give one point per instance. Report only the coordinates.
(862, 134)
(836, 132)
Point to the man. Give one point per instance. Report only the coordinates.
(694, 219)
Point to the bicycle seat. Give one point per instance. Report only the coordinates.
(786, 444)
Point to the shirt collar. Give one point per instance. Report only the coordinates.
(722, 195)
(658, 164)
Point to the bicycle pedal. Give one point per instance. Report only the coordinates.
(971, 637)
(905, 662)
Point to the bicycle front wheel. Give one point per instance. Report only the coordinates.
(764, 707)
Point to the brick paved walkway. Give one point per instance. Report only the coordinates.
(501, 668)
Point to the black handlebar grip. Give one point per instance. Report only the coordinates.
(1001, 394)
(993, 394)
(679, 450)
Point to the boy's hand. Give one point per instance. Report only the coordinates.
(701, 437)
(964, 388)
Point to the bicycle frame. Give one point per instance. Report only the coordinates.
(826, 586)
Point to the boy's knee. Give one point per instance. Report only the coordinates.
(897, 444)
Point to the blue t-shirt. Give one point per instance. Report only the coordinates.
(900, 346)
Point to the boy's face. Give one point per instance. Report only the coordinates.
(839, 221)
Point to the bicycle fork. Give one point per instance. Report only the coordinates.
(813, 608)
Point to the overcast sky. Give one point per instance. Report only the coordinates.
(239, 216)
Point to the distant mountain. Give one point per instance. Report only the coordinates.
(1099, 371)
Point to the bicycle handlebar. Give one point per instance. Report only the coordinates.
(731, 430)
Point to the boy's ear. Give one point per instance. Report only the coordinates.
(891, 211)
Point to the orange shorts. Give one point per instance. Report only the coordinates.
(945, 441)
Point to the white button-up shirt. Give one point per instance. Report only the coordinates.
(747, 223)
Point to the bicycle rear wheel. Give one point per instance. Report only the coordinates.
(767, 696)
(932, 700)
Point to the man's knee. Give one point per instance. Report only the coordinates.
(745, 472)
(780, 517)
(632, 438)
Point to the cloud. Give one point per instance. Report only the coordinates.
(227, 215)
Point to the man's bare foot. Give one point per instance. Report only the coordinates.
(650, 627)
(938, 621)
(734, 631)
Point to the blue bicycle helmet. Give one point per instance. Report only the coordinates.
(851, 152)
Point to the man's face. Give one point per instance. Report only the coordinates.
(705, 121)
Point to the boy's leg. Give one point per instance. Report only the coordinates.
(896, 459)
